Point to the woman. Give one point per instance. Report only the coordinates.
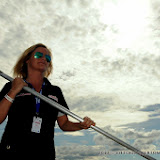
(29, 133)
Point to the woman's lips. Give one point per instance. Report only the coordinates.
(42, 63)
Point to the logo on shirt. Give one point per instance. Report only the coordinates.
(23, 94)
(53, 97)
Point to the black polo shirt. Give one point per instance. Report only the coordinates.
(17, 137)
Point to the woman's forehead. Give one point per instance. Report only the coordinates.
(42, 49)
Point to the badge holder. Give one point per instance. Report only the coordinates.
(36, 125)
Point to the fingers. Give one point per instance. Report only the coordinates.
(87, 123)
(18, 84)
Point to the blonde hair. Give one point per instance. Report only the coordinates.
(20, 68)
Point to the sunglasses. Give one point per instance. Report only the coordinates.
(38, 55)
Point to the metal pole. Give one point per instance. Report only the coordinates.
(66, 111)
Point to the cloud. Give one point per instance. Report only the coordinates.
(107, 110)
(155, 8)
(93, 103)
(115, 118)
(149, 125)
(151, 122)
(149, 108)
(127, 63)
(79, 152)
(74, 133)
(67, 75)
(139, 139)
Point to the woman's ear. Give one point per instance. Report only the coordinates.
(27, 61)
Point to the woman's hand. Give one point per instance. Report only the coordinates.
(87, 123)
(17, 85)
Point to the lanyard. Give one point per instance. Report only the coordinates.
(38, 100)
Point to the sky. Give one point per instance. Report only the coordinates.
(106, 58)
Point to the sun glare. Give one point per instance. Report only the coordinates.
(129, 17)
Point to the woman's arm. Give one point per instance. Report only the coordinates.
(5, 104)
(67, 125)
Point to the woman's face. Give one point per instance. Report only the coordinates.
(37, 63)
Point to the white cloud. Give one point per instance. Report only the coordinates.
(108, 110)
(75, 34)
(77, 133)
(74, 151)
(141, 140)
(114, 117)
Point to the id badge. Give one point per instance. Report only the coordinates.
(36, 125)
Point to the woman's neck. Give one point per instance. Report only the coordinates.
(36, 79)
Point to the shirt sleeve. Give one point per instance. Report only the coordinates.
(60, 114)
(61, 100)
(5, 90)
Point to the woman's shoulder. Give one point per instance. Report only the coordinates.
(55, 88)
(51, 86)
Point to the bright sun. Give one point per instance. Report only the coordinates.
(129, 17)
